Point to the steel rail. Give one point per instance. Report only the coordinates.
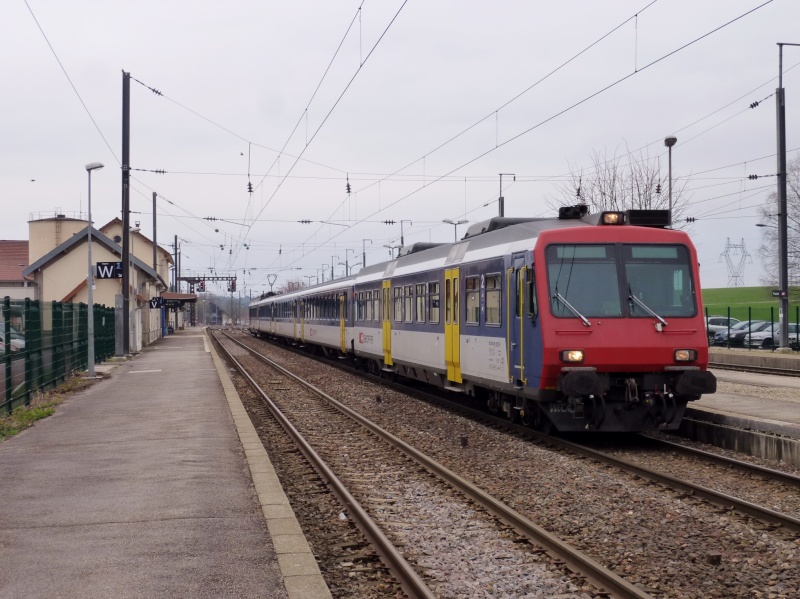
(574, 559)
(783, 477)
(721, 499)
(408, 579)
(755, 369)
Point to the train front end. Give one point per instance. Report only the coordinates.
(624, 345)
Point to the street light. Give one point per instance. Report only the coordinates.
(455, 224)
(348, 268)
(669, 142)
(332, 273)
(92, 166)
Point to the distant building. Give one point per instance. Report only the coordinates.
(58, 267)
(13, 260)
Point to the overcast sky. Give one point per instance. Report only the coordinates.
(238, 79)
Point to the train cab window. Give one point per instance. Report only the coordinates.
(583, 280)
(398, 304)
(376, 309)
(408, 297)
(472, 289)
(660, 277)
(433, 303)
(421, 302)
(368, 306)
(494, 300)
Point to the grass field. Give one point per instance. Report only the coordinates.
(753, 302)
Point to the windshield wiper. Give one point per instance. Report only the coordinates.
(644, 306)
(571, 308)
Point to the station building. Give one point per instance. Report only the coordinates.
(56, 269)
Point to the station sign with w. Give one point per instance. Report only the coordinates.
(109, 270)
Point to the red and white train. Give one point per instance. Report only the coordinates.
(580, 322)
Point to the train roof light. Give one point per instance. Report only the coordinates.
(613, 218)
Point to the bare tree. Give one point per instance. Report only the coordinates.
(768, 212)
(611, 184)
(290, 286)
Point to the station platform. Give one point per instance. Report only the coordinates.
(152, 483)
(767, 427)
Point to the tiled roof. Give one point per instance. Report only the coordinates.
(13, 260)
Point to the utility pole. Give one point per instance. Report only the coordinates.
(175, 266)
(783, 225)
(126, 211)
(364, 252)
(501, 199)
(155, 243)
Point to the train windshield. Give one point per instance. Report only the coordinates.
(597, 280)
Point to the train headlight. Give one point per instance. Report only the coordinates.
(685, 355)
(613, 218)
(572, 355)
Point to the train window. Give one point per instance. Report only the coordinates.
(494, 300)
(361, 308)
(421, 302)
(533, 307)
(433, 303)
(448, 304)
(583, 279)
(376, 310)
(660, 277)
(455, 300)
(398, 304)
(473, 292)
(368, 306)
(408, 296)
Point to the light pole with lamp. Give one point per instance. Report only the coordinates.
(348, 268)
(309, 277)
(364, 251)
(669, 142)
(455, 224)
(783, 208)
(92, 166)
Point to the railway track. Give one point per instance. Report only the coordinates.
(755, 369)
(590, 506)
(412, 583)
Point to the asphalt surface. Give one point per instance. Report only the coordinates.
(137, 487)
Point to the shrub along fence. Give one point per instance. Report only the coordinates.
(44, 342)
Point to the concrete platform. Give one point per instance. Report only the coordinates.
(143, 486)
(767, 427)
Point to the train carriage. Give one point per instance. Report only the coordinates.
(581, 322)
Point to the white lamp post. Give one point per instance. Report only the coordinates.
(93, 166)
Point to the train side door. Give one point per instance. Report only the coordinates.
(516, 287)
(342, 319)
(387, 323)
(452, 332)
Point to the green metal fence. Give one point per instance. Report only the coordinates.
(44, 342)
(771, 340)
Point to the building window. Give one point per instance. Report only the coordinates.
(433, 303)
(473, 291)
(494, 300)
(421, 302)
(409, 302)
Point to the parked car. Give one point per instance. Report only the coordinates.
(739, 332)
(714, 324)
(769, 337)
(17, 342)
